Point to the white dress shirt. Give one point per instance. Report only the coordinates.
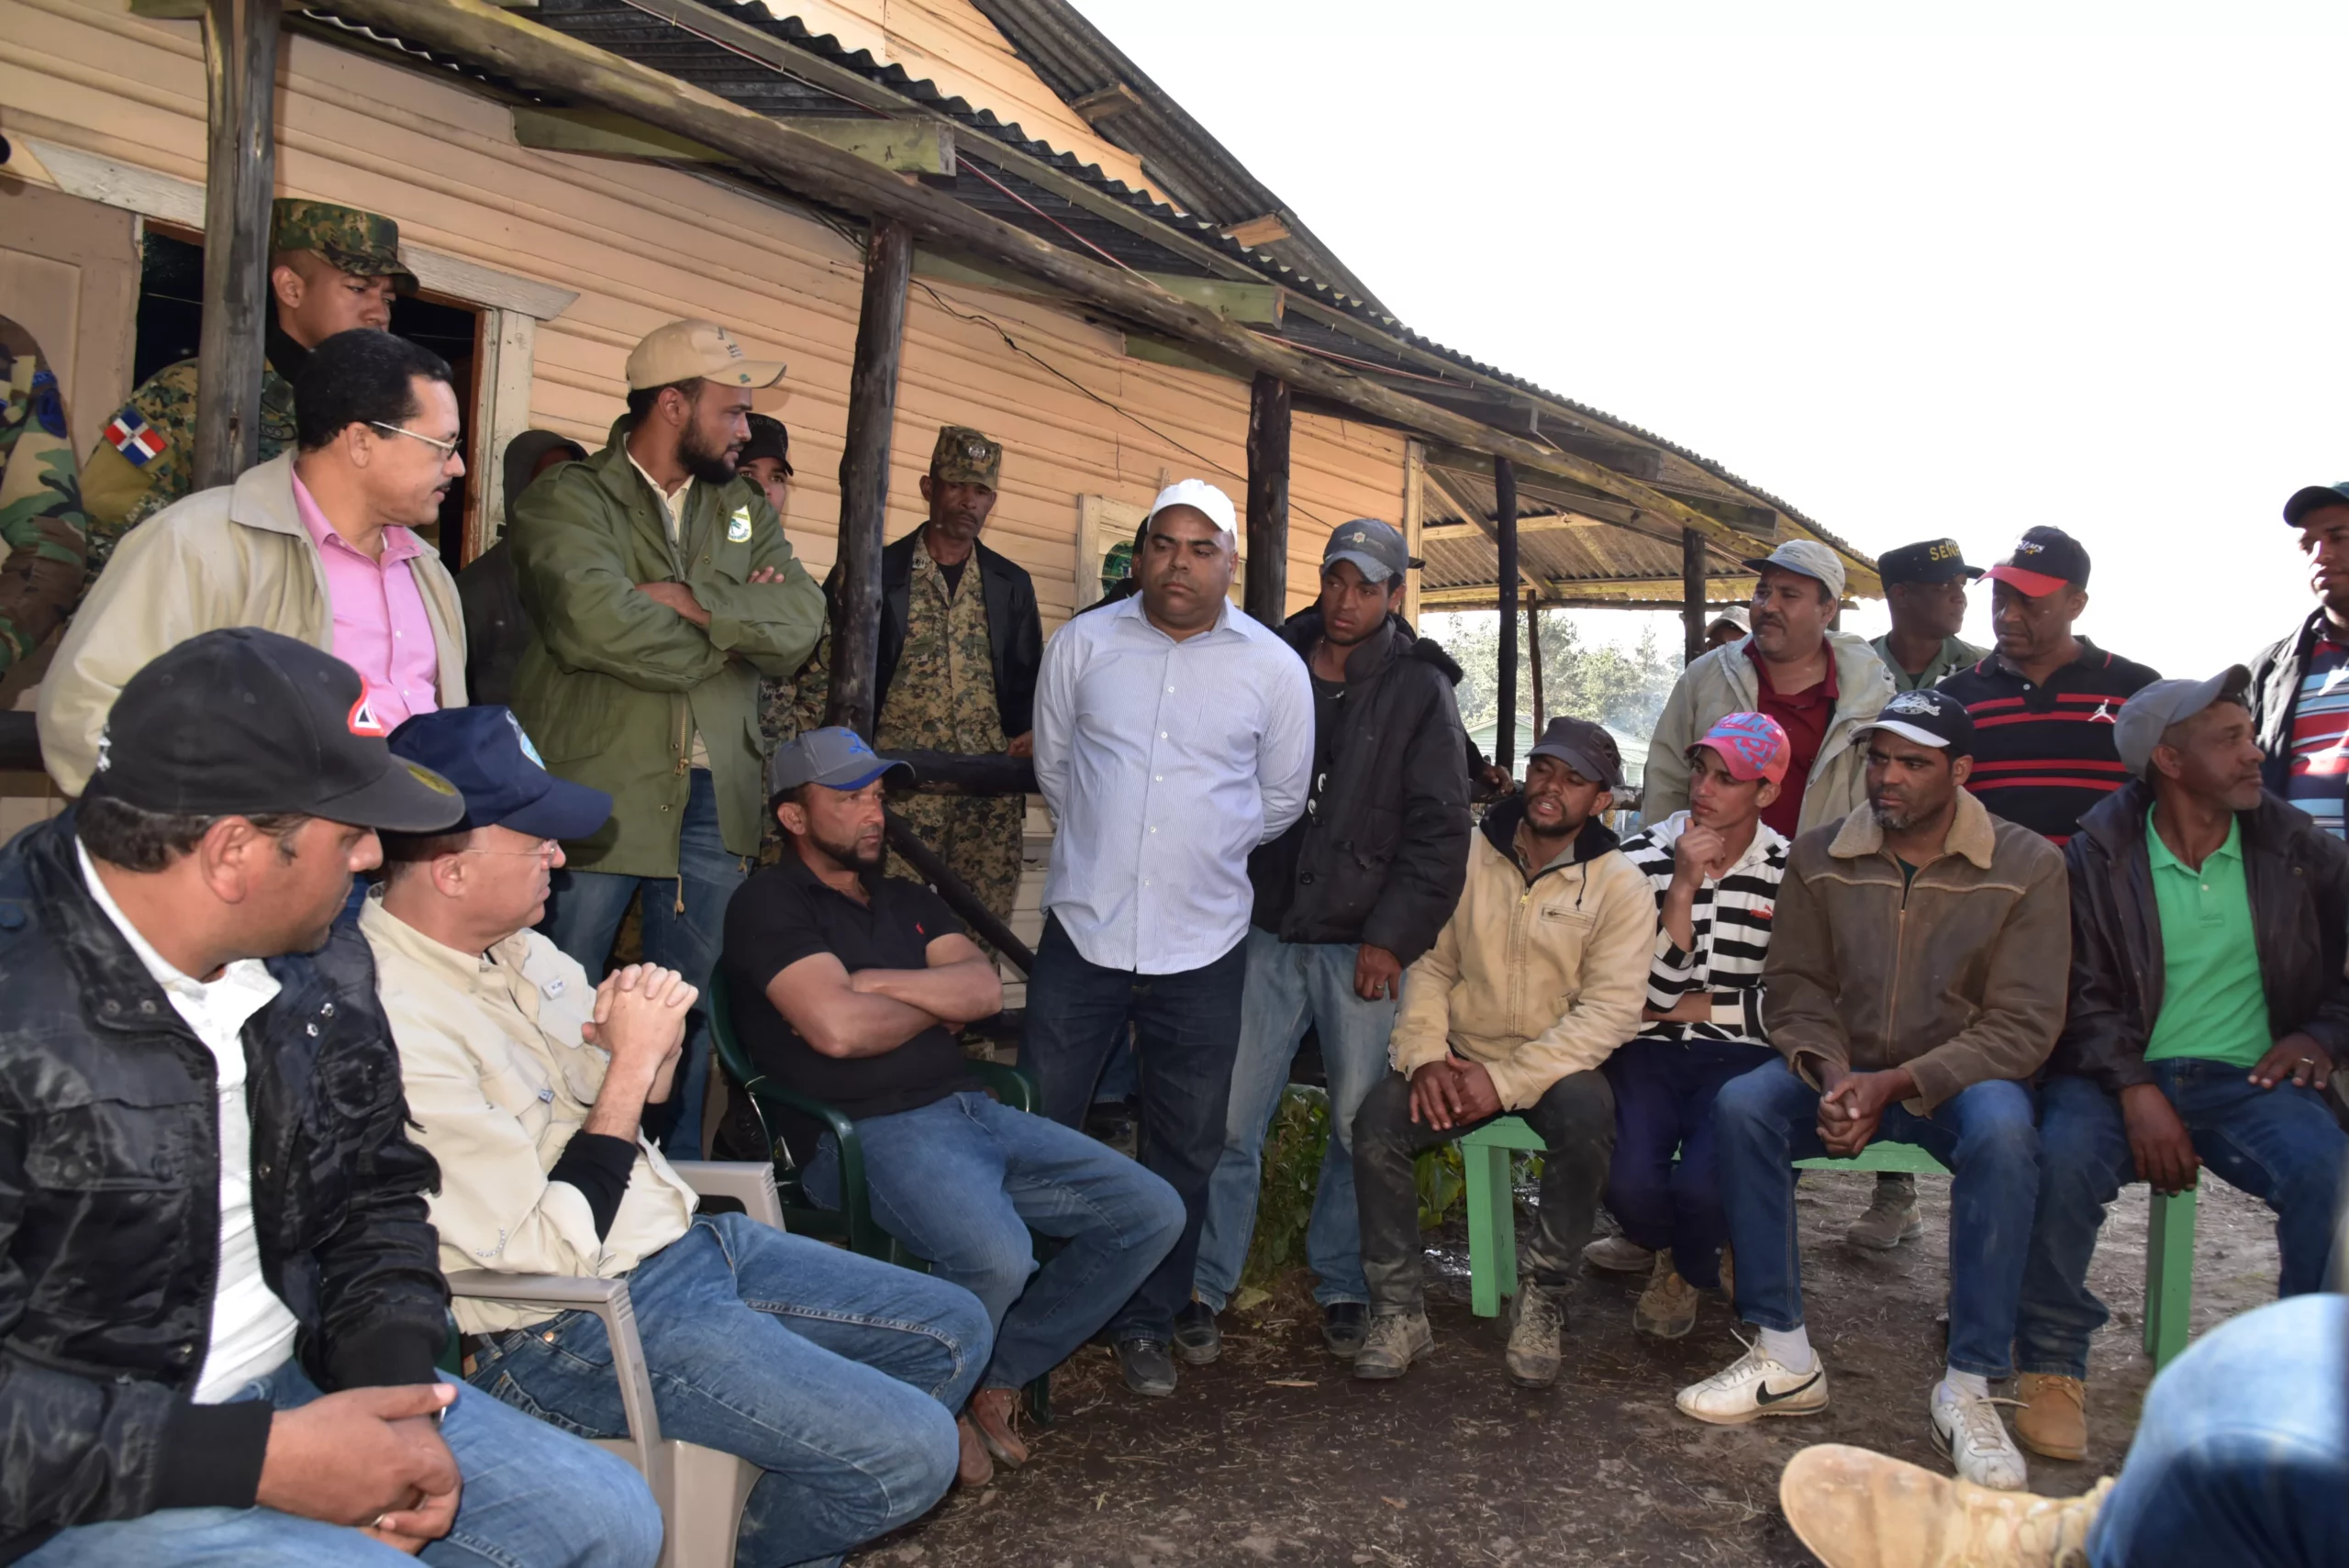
(1165, 764)
(252, 1333)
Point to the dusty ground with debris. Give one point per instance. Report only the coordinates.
(1276, 1455)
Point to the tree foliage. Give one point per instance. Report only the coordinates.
(1622, 687)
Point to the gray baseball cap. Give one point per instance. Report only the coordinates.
(1809, 558)
(1376, 549)
(2145, 716)
(835, 757)
(1585, 747)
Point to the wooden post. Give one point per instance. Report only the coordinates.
(1505, 545)
(1266, 595)
(864, 476)
(1415, 512)
(1533, 653)
(1692, 592)
(241, 159)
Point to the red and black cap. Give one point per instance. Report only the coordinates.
(2043, 561)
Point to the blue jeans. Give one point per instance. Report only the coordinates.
(1185, 1031)
(2242, 1453)
(962, 1182)
(1769, 1119)
(834, 1374)
(533, 1497)
(1290, 986)
(1663, 1106)
(685, 924)
(2281, 1145)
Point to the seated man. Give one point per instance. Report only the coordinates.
(1533, 982)
(849, 986)
(1915, 983)
(2207, 1011)
(1715, 868)
(219, 1293)
(833, 1374)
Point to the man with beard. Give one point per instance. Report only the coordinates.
(662, 587)
(320, 544)
(1915, 983)
(2300, 686)
(1345, 901)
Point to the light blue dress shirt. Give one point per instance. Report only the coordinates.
(1165, 764)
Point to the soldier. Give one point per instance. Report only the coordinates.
(957, 670)
(41, 500)
(330, 269)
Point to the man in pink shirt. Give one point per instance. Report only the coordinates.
(317, 544)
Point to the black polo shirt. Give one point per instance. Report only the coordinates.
(785, 914)
(2043, 755)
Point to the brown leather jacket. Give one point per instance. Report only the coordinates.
(1959, 977)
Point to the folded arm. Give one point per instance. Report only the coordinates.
(816, 996)
(959, 984)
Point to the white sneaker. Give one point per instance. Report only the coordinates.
(1618, 1255)
(1976, 1441)
(1756, 1385)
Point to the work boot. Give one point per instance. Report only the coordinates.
(973, 1465)
(1197, 1337)
(1618, 1255)
(994, 1415)
(1667, 1308)
(1974, 1438)
(2053, 1419)
(1857, 1509)
(1394, 1340)
(1537, 1321)
(1343, 1324)
(1891, 1218)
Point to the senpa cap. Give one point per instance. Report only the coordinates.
(1930, 718)
(1750, 745)
(243, 722)
(2145, 716)
(485, 753)
(1930, 560)
(1376, 549)
(2043, 561)
(690, 350)
(1200, 497)
(1585, 747)
(835, 757)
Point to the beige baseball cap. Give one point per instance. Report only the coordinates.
(683, 350)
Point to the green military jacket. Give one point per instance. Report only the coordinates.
(616, 684)
(146, 459)
(1955, 655)
(41, 526)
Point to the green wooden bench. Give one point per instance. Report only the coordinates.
(1491, 1228)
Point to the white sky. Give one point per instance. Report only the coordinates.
(1916, 268)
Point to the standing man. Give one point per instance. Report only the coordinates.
(332, 269)
(1820, 686)
(496, 627)
(1536, 979)
(957, 670)
(2208, 1009)
(1924, 587)
(2300, 686)
(1345, 900)
(41, 525)
(1914, 985)
(1173, 737)
(661, 588)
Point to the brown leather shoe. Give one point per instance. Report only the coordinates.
(994, 1414)
(2053, 1419)
(1857, 1509)
(972, 1465)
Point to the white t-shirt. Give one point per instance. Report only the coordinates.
(252, 1333)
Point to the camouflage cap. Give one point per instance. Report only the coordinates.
(353, 241)
(963, 456)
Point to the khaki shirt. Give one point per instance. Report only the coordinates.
(498, 1079)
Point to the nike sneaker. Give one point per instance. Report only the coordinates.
(1756, 1385)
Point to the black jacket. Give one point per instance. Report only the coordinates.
(109, 1207)
(2275, 677)
(2298, 876)
(1382, 849)
(1015, 632)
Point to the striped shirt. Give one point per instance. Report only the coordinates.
(2044, 754)
(2320, 755)
(1727, 961)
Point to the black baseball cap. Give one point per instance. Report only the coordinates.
(1930, 560)
(2308, 499)
(1585, 747)
(243, 722)
(2043, 561)
(484, 751)
(1928, 717)
(768, 437)
(835, 757)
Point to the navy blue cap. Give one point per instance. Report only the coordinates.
(484, 753)
(2313, 497)
(835, 757)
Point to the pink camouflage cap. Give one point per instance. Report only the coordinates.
(1752, 745)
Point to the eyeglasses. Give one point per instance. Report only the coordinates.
(543, 851)
(446, 449)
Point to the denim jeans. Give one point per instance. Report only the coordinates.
(962, 1181)
(1663, 1106)
(1769, 1119)
(685, 924)
(1185, 1031)
(835, 1374)
(534, 1497)
(1290, 986)
(2281, 1145)
(2242, 1453)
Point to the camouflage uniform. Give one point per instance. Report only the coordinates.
(41, 500)
(145, 457)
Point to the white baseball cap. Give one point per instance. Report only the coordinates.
(687, 350)
(1808, 557)
(1200, 497)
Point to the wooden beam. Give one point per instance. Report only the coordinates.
(1664, 593)
(1252, 304)
(1552, 523)
(865, 477)
(1415, 512)
(1693, 617)
(1533, 656)
(1107, 104)
(1454, 498)
(903, 147)
(1267, 228)
(1182, 357)
(1504, 532)
(240, 161)
(1268, 431)
(1623, 456)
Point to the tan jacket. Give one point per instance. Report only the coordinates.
(497, 1080)
(1534, 979)
(1959, 977)
(235, 555)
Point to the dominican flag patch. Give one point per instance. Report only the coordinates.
(135, 438)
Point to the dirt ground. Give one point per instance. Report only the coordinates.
(1276, 1455)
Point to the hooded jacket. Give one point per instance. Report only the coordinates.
(1382, 849)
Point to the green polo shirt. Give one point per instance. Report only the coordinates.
(2213, 1007)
